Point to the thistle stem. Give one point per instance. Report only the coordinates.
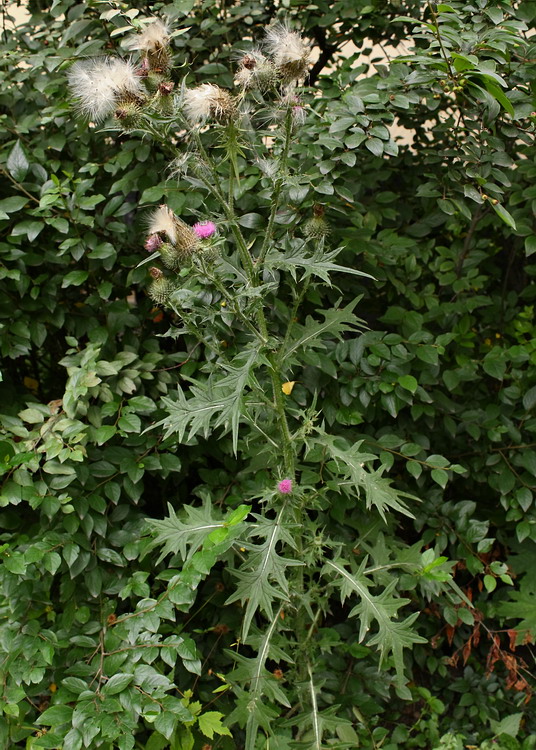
(278, 188)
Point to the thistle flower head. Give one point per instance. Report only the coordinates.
(208, 101)
(204, 229)
(285, 486)
(289, 52)
(153, 242)
(98, 85)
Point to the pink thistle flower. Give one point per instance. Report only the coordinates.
(153, 242)
(285, 486)
(204, 229)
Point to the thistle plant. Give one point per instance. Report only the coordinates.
(241, 290)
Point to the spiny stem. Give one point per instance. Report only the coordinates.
(278, 188)
(279, 404)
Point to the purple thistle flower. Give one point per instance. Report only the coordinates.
(153, 242)
(204, 229)
(285, 486)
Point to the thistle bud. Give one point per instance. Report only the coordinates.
(144, 68)
(316, 227)
(160, 290)
(128, 112)
(156, 273)
(171, 256)
(249, 62)
(256, 72)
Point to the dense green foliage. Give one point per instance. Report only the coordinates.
(158, 591)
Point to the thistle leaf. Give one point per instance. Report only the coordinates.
(219, 402)
(185, 537)
(263, 579)
(335, 323)
(392, 635)
(351, 463)
(319, 264)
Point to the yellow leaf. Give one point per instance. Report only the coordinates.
(288, 386)
(31, 383)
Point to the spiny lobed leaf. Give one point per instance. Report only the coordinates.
(335, 323)
(351, 463)
(392, 635)
(184, 537)
(262, 578)
(320, 263)
(224, 397)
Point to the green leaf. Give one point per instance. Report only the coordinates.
(440, 477)
(408, 382)
(251, 221)
(75, 684)
(351, 463)
(74, 278)
(184, 537)
(263, 576)
(529, 399)
(375, 146)
(17, 164)
(320, 264)
(505, 216)
(55, 715)
(13, 204)
(117, 683)
(165, 723)
(494, 363)
(210, 723)
(220, 402)
(530, 245)
(335, 323)
(104, 433)
(238, 515)
(73, 740)
(509, 725)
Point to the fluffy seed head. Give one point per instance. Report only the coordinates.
(204, 229)
(289, 52)
(183, 238)
(256, 71)
(153, 41)
(99, 85)
(154, 36)
(285, 486)
(163, 221)
(208, 101)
